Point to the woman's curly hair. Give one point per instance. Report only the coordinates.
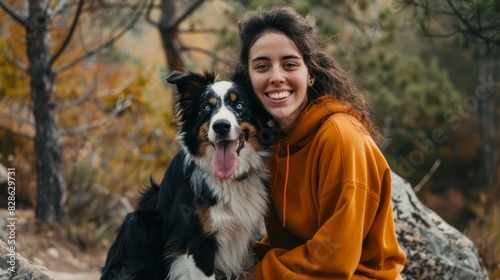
(329, 77)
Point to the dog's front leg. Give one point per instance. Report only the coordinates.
(197, 263)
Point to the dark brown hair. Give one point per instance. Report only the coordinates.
(329, 77)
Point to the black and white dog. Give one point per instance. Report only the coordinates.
(198, 223)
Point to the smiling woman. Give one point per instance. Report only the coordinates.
(331, 214)
(279, 77)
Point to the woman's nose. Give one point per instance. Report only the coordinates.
(277, 77)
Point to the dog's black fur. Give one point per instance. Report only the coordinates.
(183, 228)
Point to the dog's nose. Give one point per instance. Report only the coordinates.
(221, 126)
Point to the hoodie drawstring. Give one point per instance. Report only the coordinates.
(286, 179)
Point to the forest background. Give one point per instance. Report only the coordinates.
(86, 115)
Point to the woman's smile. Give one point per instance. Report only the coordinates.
(279, 95)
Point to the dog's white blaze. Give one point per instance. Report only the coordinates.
(224, 114)
(184, 268)
(221, 89)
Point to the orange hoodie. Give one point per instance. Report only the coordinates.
(331, 214)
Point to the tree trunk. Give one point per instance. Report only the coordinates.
(52, 190)
(170, 36)
(496, 115)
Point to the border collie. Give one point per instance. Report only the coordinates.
(199, 222)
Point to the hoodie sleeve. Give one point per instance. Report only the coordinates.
(356, 237)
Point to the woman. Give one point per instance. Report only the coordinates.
(330, 215)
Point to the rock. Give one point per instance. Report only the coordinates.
(434, 249)
(23, 268)
(53, 252)
(116, 209)
(3, 174)
(3, 229)
(38, 261)
(96, 201)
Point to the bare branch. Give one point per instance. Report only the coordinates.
(473, 30)
(110, 42)
(492, 27)
(427, 176)
(148, 14)
(495, 26)
(447, 13)
(71, 32)
(104, 4)
(207, 52)
(58, 8)
(92, 89)
(448, 35)
(17, 118)
(79, 100)
(209, 30)
(186, 13)
(85, 97)
(23, 67)
(16, 133)
(360, 25)
(120, 106)
(13, 14)
(15, 49)
(119, 89)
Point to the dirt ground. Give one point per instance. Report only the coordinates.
(49, 249)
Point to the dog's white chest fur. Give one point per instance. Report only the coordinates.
(235, 219)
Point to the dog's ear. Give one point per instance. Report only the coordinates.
(190, 82)
(189, 85)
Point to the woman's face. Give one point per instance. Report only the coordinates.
(279, 77)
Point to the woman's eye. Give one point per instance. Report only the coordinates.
(261, 66)
(290, 65)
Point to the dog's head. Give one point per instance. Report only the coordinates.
(221, 123)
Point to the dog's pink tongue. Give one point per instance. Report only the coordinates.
(225, 159)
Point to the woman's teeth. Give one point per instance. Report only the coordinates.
(279, 95)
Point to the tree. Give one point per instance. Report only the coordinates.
(42, 68)
(471, 25)
(172, 16)
(168, 27)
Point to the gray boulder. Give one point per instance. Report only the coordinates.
(19, 268)
(3, 174)
(434, 249)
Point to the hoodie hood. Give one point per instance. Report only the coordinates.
(311, 119)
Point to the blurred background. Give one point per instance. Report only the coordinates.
(86, 113)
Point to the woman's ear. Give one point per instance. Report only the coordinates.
(310, 81)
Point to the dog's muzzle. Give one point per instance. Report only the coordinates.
(225, 158)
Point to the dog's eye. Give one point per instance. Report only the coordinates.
(207, 108)
(239, 106)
